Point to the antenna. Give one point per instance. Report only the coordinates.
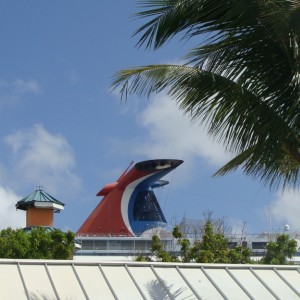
(124, 173)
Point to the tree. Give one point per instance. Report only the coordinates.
(213, 248)
(158, 250)
(39, 243)
(241, 79)
(194, 229)
(279, 251)
(14, 243)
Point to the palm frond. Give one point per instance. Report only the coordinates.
(242, 81)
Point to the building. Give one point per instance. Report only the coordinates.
(40, 207)
(38, 279)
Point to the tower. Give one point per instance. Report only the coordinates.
(39, 207)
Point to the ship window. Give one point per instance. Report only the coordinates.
(146, 207)
(259, 245)
(127, 245)
(87, 245)
(142, 245)
(232, 245)
(100, 245)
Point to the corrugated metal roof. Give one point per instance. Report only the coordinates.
(36, 279)
(37, 196)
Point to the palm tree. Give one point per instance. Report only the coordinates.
(241, 80)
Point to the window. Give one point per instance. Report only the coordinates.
(259, 245)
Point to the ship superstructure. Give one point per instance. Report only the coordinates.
(128, 211)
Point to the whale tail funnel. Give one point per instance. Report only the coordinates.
(129, 206)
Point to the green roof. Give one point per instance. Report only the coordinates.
(37, 196)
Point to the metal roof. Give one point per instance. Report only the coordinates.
(37, 196)
(41, 279)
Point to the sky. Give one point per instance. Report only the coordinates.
(63, 129)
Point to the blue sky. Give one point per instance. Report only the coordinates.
(63, 129)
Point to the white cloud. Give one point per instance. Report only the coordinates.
(8, 214)
(286, 209)
(12, 91)
(169, 133)
(42, 158)
(23, 86)
(173, 135)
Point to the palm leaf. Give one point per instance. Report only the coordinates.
(242, 80)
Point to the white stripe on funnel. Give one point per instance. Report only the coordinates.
(125, 200)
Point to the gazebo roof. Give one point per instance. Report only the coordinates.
(40, 198)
